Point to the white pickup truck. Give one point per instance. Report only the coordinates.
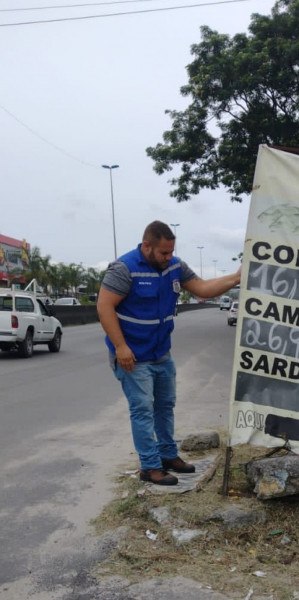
(25, 322)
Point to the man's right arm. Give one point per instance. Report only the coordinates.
(106, 306)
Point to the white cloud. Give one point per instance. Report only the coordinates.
(228, 238)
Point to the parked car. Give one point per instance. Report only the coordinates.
(25, 321)
(225, 303)
(45, 299)
(233, 314)
(67, 301)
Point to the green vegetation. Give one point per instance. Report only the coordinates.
(60, 279)
(185, 296)
(244, 92)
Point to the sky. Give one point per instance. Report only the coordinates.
(79, 94)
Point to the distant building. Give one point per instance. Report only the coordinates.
(14, 260)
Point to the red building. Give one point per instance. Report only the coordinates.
(14, 260)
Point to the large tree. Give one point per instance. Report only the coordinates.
(244, 92)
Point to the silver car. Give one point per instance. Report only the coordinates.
(233, 314)
(67, 301)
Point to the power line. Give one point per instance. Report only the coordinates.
(43, 139)
(133, 12)
(70, 5)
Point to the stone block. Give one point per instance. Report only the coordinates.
(204, 440)
(274, 477)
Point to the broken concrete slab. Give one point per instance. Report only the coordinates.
(204, 440)
(274, 477)
(205, 469)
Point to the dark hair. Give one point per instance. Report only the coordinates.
(157, 230)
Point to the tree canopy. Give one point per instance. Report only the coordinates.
(244, 92)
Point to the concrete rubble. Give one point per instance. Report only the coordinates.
(204, 440)
(274, 477)
(183, 536)
(232, 516)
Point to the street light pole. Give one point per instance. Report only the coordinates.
(175, 225)
(200, 248)
(110, 167)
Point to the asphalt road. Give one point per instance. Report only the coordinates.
(64, 434)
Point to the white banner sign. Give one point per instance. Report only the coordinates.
(264, 404)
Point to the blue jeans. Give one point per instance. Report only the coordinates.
(151, 393)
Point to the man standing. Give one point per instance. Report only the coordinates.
(136, 307)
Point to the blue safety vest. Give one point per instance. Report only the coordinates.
(146, 314)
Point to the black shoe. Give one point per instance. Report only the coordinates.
(158, 476)
(178, 464)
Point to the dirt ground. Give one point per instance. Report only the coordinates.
(256, 561)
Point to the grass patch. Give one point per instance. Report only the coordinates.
(222, 558)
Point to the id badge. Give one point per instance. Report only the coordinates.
(176, 286)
